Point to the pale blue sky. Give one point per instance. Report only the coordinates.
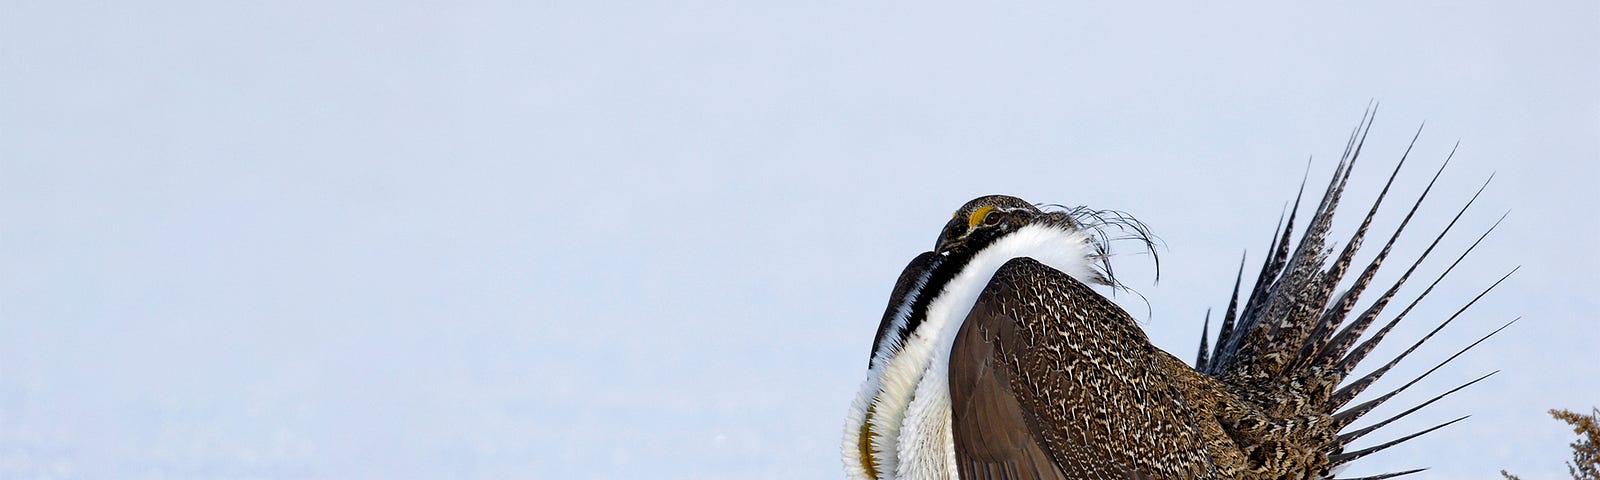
(652, 239)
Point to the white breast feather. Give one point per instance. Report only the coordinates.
(870, 387)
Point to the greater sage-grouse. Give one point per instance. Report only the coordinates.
(996, 360)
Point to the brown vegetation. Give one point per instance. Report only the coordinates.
(1585, 463)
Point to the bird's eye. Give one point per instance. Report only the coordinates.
(993, 218)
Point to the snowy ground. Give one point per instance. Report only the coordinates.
(420, 240)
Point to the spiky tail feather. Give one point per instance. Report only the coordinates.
(1286, 354)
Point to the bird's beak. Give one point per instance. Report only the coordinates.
(954, 231)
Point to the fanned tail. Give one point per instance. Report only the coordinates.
(1286, 354)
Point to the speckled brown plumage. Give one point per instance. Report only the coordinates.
(1043, 353)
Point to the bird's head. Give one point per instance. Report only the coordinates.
(985, 220)
(988, 218)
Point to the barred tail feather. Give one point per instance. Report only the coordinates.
(1338, 459)
(1346, 438)
(1202, 358)
(1385, 475)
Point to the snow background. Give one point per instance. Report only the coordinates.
(653, 239)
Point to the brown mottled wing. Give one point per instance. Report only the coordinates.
(1049, 380)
